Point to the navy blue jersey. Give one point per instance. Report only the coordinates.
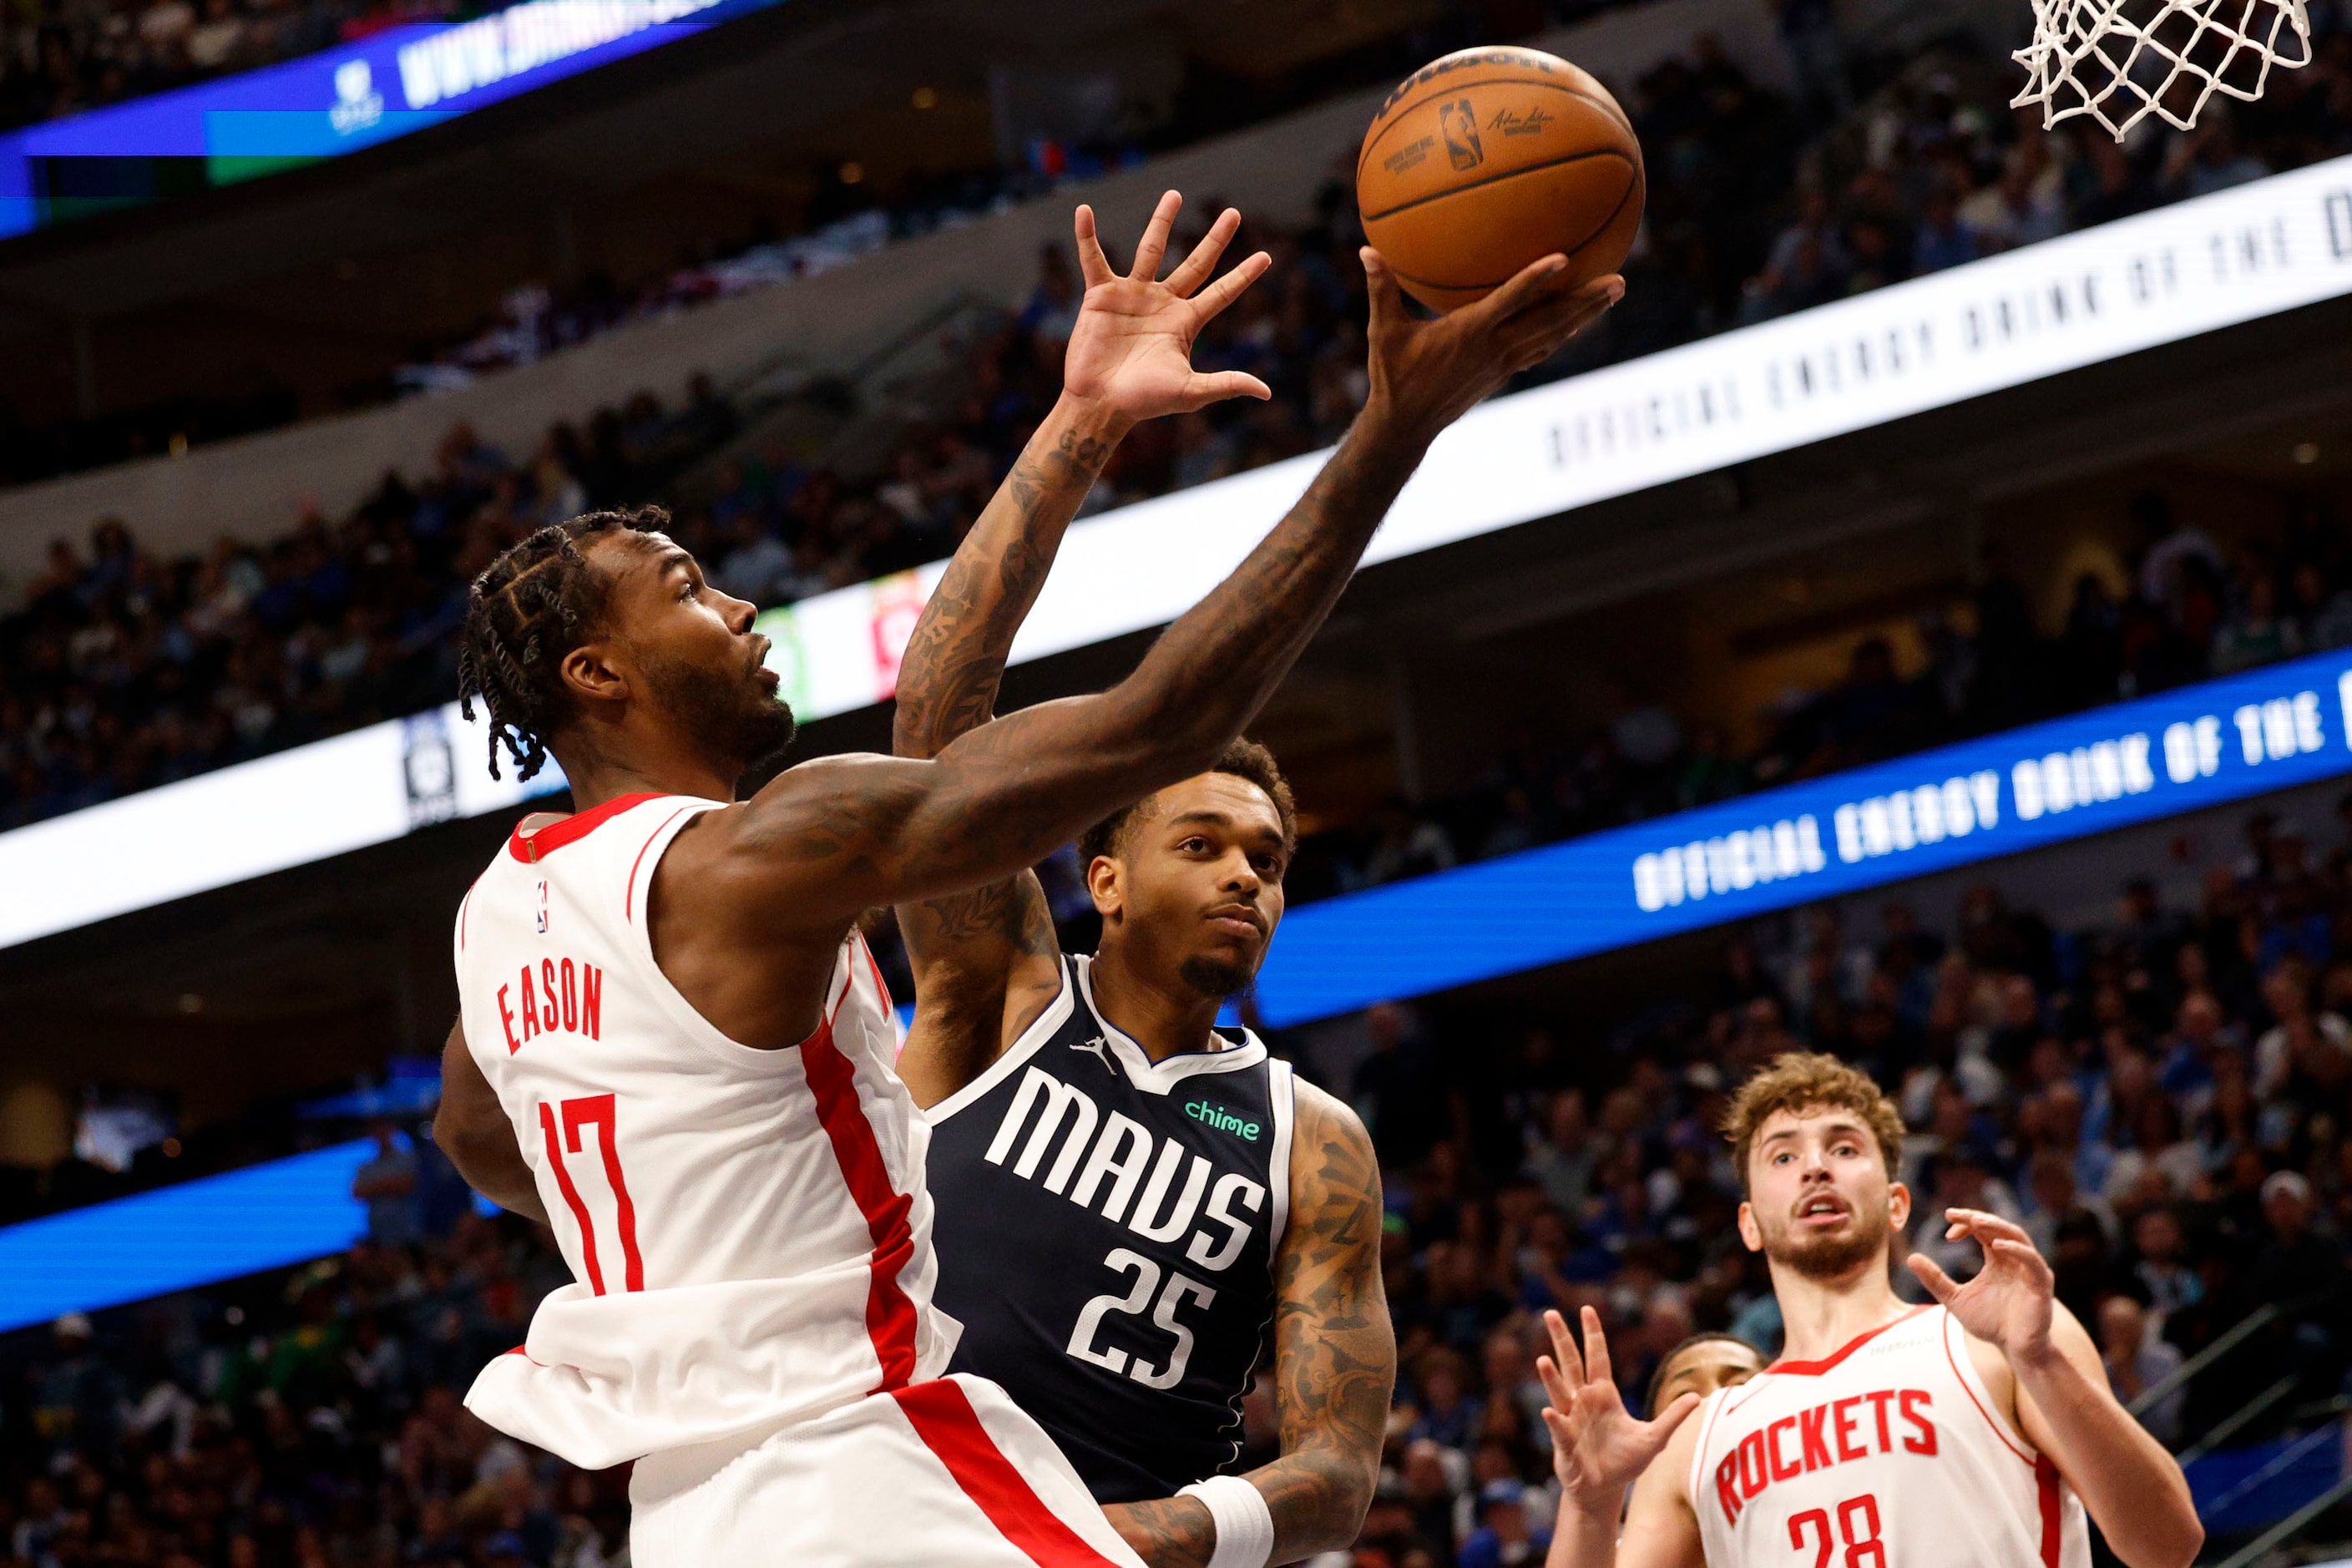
(1106, 1228)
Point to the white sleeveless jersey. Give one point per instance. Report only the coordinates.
(748, 1231)
(1887, 1455)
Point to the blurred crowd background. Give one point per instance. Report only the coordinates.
(1881, 163)
(2162, 1099)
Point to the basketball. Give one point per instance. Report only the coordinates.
(1486, 159)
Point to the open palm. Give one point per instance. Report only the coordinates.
(2008, 1304)
(1131, 347)
(1598, 1449)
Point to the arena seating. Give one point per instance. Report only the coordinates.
(122, 671)
(2161, 1100)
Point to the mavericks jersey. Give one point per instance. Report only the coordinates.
(748, 1232)
(1107, 1226)
(1889, 1452)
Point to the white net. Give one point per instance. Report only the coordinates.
(2120, 61)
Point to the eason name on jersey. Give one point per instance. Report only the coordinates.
(1836, 1432)
(1223, 1121)
(566, 997)
(1106, 1164)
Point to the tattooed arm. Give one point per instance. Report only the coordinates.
(781, 876)
(1335, 1358)
(985, 961)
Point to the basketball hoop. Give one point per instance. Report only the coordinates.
(2120, 61)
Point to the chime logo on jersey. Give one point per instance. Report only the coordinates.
(1223, 1121)
(1114, 1166)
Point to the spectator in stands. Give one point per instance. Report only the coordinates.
(387, 1184)
(1505, 1536)
(2137, 1362)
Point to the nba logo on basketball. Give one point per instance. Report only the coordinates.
(1460, 123)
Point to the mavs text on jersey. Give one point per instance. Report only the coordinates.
(1106, 1228)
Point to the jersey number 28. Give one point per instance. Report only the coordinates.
(1857, 1526)
(1138, 1295)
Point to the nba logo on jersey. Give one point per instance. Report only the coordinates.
(542, 905)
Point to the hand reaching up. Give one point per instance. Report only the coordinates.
(1598, 1449)
(1131, 347)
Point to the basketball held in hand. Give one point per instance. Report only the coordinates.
(1487, 159)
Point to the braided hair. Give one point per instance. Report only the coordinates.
(533, 605)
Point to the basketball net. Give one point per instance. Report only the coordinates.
(2120, 61)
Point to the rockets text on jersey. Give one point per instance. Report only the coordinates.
(748, 1230)
(1888, 1454)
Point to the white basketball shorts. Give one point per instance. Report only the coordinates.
(945, 1472)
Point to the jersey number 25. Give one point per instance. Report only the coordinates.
(1147, 1280)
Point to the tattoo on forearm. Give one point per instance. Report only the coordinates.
(955, 659)
(1336, 1350)
(1167, 1532)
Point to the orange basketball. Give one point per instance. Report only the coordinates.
(1486, 159)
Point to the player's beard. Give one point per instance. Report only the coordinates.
(728, 712)
(1832, 1257)
(1215, 976)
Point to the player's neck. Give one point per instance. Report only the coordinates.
(1166, 1020)
(608, 768)
(1820, 1317)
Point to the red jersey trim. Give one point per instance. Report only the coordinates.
(1815, 1368)
(529, 847)
(881, 986)
(629, 897)
(1969, 1389)
(890, 1315)
(2045, 1476)
(942, 1417)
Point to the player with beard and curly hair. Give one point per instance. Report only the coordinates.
(1972, 1432)
(674, 1049)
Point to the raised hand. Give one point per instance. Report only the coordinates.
(2009, 1304)
(1598, 1449)
(1430, 373)
(1131, 348)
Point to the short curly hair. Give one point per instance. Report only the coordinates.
(1810, 1081)
(1243, 760)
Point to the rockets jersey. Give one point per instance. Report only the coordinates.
(1108, 1230)
(1888, 1452)
(748, 1230)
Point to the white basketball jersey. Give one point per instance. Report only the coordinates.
(1888, 1454)
(748, 1232)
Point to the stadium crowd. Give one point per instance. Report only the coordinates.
(2163, 1101)
(1876, 169)
(121, 671)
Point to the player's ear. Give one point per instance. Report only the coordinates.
(1898, 1206)
(1748, 1233)
(1106, 884)
(591, 674)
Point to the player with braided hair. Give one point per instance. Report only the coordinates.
(522, 616)
(674, 1047)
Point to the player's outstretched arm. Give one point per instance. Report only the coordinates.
(2126, 1481)
(832, 837)
(1598, 1450)
(473, 1128)
(1335, 1359)
(984, 960)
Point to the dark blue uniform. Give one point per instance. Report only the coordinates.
(1106, 1228)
